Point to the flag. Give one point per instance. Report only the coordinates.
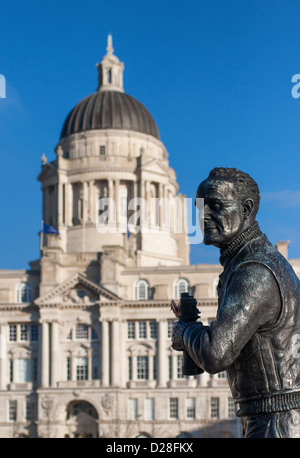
(128, 233)
(47, 229)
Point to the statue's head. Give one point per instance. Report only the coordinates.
(231, 201)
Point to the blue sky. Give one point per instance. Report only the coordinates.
(215, 74)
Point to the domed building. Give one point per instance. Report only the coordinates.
(110, 148)
(85, 331)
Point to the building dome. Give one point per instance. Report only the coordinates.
(109, 109)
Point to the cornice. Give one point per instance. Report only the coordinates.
(122, 304)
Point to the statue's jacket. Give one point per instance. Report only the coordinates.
(264, 374)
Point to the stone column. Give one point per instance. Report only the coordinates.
(148, 201)
(92, 207)
(150, 367)
(111, 216)
(174, 367)
(59, 204)
(117, 201)
(54, 353)
(134, 185)
(203, 379)
(73, 367)
(115, 353)
(45, 355)
(69, 204)
(105, 353)
(55, 205)
(134, 367)
(161, 357)
(160, 204)
(90, 364)
(123, 357)
(85, 200)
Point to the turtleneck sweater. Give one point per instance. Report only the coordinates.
(230, 250)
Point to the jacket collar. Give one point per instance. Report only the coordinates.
(252, 232)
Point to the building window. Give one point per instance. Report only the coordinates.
(13, 333)
(102, 150)
(23, 370)
(34, 333)
(154, 367)
(12, 410)
(132, 409)
(141, 290)
(222, 375)
(81, 368)
(29, 412)
(23, 332)
(231, 408)
(190, 408)
(94, 335)
(142, 368)
(142, 330)
(95, 374)
(170, 328)
(214, 408)
(149, 409)
(170, 360)
(82, 332)
(34, 369)
(23, 293)
(68, 368)
(131, 330)
(179, 366)
(180, 286)
(153, 329)
(11, 370)
(173, 408)
(129, 368)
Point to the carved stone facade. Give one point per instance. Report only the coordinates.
(85, 331)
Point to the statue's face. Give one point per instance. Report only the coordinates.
(223, 216)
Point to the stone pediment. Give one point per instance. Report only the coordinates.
(48, 171)
(77, 290)
(155, 166)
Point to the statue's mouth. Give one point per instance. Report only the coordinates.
(209, 227)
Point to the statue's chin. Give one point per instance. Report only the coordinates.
(212, 239)
(209, 240)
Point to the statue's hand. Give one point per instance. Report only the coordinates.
(177, 336)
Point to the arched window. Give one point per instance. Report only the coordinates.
(141, 290)
(109, 76)
(23, 293)
(180, 286)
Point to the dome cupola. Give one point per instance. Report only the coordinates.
(109, 107)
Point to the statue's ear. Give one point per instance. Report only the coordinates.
(247, 208)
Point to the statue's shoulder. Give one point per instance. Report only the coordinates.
(260, 251)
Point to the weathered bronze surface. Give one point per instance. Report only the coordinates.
(187, 311)
(257, 325)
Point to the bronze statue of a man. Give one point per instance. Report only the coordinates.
(258, 311)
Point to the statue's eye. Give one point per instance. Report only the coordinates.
(215, 205)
